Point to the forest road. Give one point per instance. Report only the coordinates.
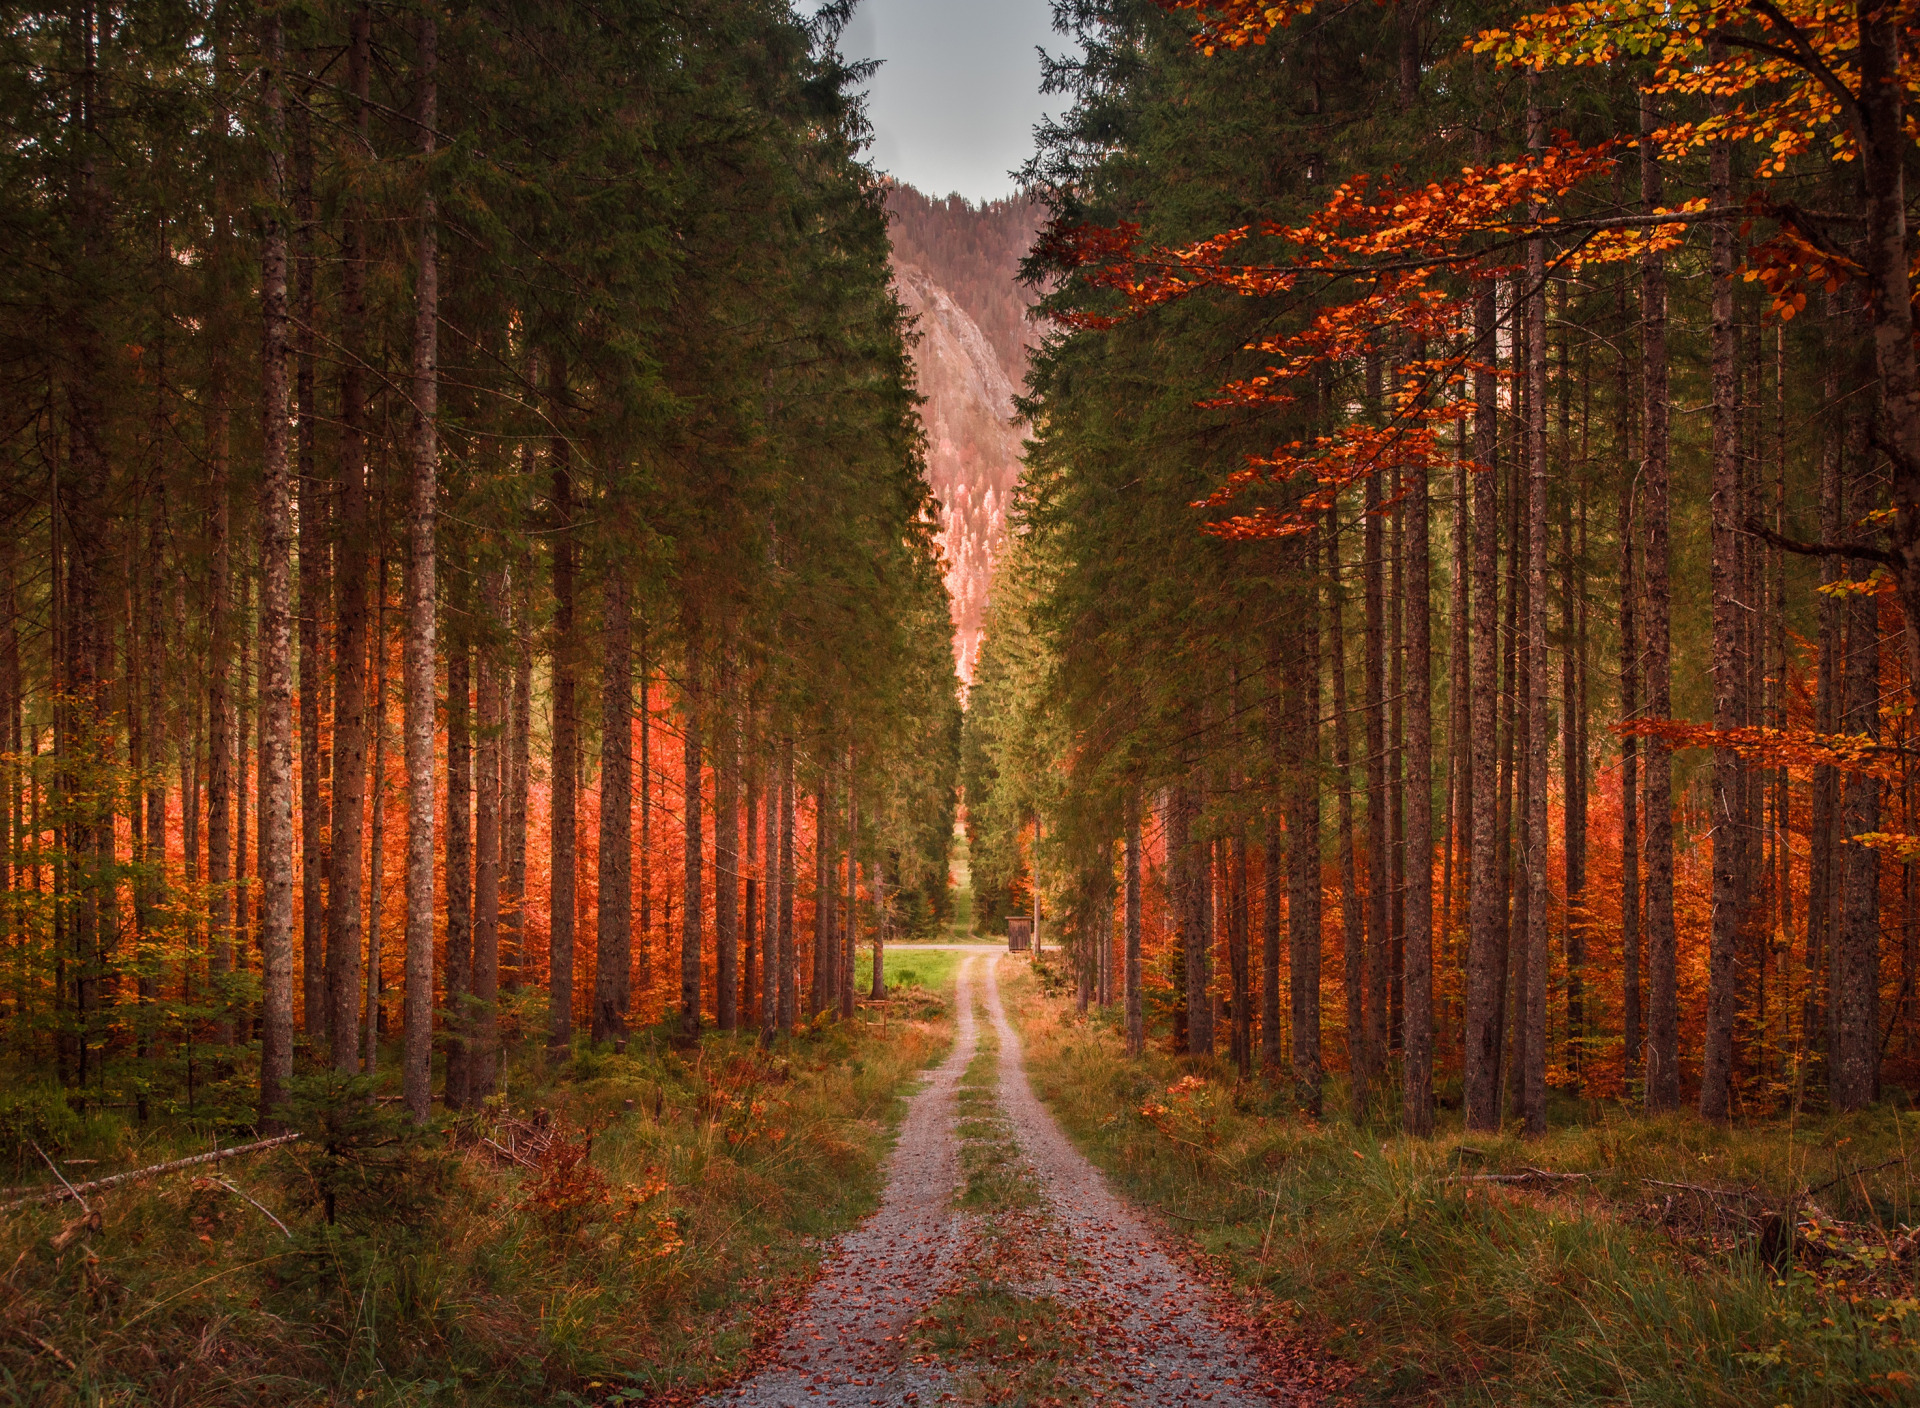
(1149, 1332)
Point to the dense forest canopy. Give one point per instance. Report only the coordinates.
(469, 572)
(1463, 588)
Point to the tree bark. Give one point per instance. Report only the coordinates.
(1417, 982)
(563, 801)
(692, 901)
(457, 856)
(1663, 1001)
(726, 845)
(483, 1021)
(276, 673)
(1353, 926)
(1537, 729)
(1727, 804)
(1372, 1043)
(422, 496)
(1486, 895)
(315, 588)
(1136, 1029)
(1304, 888)
(789, 971)
(352, 643)
(1854, 1036)
(613, 940)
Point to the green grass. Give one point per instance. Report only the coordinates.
(1436, 1286)
(688, 1199)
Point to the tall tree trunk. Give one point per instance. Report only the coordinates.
(563, 802)
(220, 721)
(1537, 729)
(1353, 926)
(1823, 864)
(458, 854)
(422, 497)
(483, 1022)
(646, 826)
(726, 845)
(789, 972)
(752, 961)
(1304, 884)
(613, 939)
(1629, 711)
(1727, 802)
(519, 764)
(315, 668)
(1271, 1044)
(276, 674)
(1486, 895)
(692, 902)
(350, 586)
(1136, 1030)
(1372, 1046)
(1854, 1027)
(850, 928)
(1663, 1001)
(376, 831)
(1417, 1030)
(825, 946)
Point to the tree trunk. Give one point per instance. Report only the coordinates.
(1629, 711)
(1727, 801)
(850, 928)
(1854, 1034)
(1136, 1027)
(726, 846)
(1372, 1044)
(276, 674)
(350, 608)
(1271, 1045)
(613, 940)
(823, 987)
(1417, 1030)
(1353, 930)
(315, 668)
(457, 858)
(752, 961)
(1663, 1002)
(563, 802)
(1485, 892)
(692, 901)
(1537, 729)
(482, 1024)
(1304, 884)
(789, 971)
(376, 833)
(646, 827)
(422, 496)
(519, 765)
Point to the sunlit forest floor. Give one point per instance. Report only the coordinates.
(619, 1227)
(1767, 1264)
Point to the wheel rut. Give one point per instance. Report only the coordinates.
(1062, 1295)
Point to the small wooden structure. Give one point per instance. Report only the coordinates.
(1019, 935)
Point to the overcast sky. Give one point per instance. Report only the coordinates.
(958, 92)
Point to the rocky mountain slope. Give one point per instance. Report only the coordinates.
(954, 267)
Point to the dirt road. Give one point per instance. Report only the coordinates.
(921, 1304)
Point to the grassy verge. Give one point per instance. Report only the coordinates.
(1414, 1263)
(619, 1229)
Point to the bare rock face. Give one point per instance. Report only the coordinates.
(955, 267)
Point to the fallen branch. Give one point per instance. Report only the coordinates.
(1806, 1193)
(1743, 1194)
(71, 1367)
(240, 1192)
(75, 1190)
(1525, 1175)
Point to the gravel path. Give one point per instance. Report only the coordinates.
(1154, 1339)
(844, 1345)
(1159, 1342)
